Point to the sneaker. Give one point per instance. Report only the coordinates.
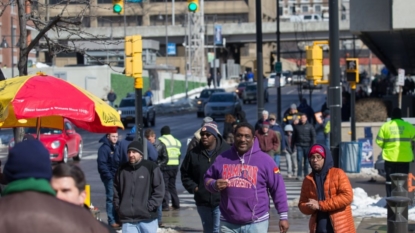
(290, 176)
(300, 178)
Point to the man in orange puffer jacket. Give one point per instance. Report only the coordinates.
(326, 194)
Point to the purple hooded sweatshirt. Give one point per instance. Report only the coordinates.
(246, 198)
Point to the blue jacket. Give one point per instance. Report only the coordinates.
(278, 128)
(123, 145)
(106, 155)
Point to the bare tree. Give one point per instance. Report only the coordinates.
(33, 12)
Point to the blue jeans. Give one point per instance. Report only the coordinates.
(210, 217)
(258, 227)
(302, 156)
(277, 159)
(159, 213)
(109, 192)
(149, 226)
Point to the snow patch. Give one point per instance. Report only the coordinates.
(364, 173)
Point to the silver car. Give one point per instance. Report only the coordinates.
(222, 103)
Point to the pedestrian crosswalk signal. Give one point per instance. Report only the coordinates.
(352, 70)
(193, 5)
(118, 6)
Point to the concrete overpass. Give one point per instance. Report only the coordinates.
(233, 32)
(387, 28)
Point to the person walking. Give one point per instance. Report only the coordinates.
(162, 160)
(245, 177)
(138, 192)
(303, 137)
(258, 124)
(170, 171)
(395, 137)
(111, 97)
(290, 152)
(30, 203)
(290, 114)
(194, 166)
(268, 141)
(326, 194)
(107, 166)
(273, 125)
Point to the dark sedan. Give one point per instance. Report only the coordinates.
(250, 93)
(220, 104)
(203, 98)
(241, 88)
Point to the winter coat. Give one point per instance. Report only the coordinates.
(138, 191)
(36, 212)
(289, 117)
(334, 193)
(107, 154)
(194, 166)
(258, 124)
(277, 128)
(269, 141)
(289, 146)
(304, 135)
(162, 158)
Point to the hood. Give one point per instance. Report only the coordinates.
(328, 161)
(104, 140)
(255, 147)
(220, 143)
(197, 134)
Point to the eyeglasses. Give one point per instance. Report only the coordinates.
(315, 158)
(205, 135)
(271, 119)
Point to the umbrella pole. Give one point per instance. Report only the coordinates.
(38, 128)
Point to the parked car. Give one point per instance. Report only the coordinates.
(222, 103)
(203, 98)
(271, 80)
(250, 93)
(127, 111)
(241, 88)
(61, 145)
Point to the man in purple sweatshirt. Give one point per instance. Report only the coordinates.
(243, 175)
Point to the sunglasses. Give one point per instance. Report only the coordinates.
(205, 134)
(271, 119)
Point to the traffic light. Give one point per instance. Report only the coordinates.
(193, 5)
(314, 67)
(118, 6)
(352, 70)
(133, 53)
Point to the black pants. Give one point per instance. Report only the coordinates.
(170, 188)
(394, 167)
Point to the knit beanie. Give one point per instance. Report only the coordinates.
(28, 159)
(135, 146)
(165, 130)
(293, 106)
(317, 149)
(211, 128)
(207, 120)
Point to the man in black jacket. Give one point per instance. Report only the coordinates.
(162, 159)
(138, 192)
(193, 168)
(304, 136)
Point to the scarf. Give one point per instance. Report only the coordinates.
(29, 184)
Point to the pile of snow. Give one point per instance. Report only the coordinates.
(365, 173)
(41, 65)
(365, 206)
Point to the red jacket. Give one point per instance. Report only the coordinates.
(269, 141)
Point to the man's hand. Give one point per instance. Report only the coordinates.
(196, 189)
(313, 204)
(284, 225)
(221, 184)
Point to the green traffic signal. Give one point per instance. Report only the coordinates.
(117, 8)
(192, 7)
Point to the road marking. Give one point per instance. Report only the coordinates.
(290, 91)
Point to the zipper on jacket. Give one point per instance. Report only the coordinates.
(132, 194)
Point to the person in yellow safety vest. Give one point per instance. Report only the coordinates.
(395, 137)
(170, 170)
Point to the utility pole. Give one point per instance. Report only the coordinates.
(334, 88)
(353, 100)
(279, 118)
(215, 72)
(260, 83)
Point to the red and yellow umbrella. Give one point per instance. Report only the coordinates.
(26, 100)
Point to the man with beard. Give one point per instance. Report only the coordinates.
(194, 166)
(326, 194)
(245, 177)
(138, 192)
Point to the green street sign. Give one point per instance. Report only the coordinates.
(278, 67)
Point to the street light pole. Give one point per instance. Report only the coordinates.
(12, 45)
(278, 60)
(260, 83)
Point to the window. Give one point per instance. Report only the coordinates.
(317, 8)
(304, 9)
(292, 10)
(68, 126)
